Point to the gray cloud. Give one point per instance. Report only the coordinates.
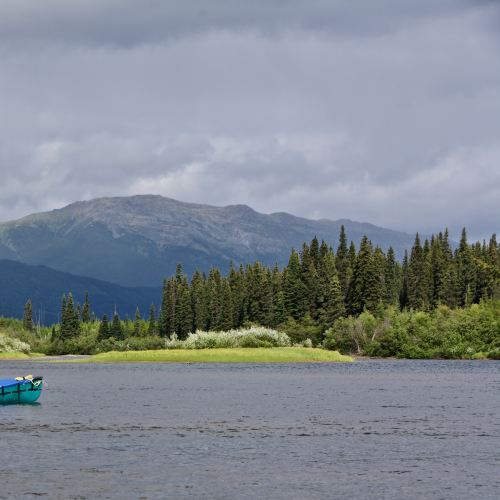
(384, 112)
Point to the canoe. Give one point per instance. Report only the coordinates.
(20, 390)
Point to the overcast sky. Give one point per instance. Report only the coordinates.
(381, 112)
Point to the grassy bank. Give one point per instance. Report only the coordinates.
(13, 355)
(246, 355)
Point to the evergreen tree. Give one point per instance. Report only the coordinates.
(70, 325)
(314, 252)
(226, 315)
(352, 265)
(293, 287)
(152, 322)
(104, 332)
(196, 294)
(326, 271)
(116, 328)
(451, 271)
(418, 291)
(466, 271)
(391, 281)
(380, 263)
(493, 262)
(137, 323)
(335, 307)
(63, 328)
(72, 320)
(342, 262)
(161, 332)
(86, 309)
(267, 298)
(28, 317)
(404, 281)
(365, 291)
(185, 321)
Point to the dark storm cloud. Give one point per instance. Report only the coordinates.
(130, 23)
(385, 112)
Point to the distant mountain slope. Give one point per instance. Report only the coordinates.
(135, 241)
(45, 287)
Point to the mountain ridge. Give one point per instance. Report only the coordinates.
(45, 287)
(135, 241)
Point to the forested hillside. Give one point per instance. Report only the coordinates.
(45, 287)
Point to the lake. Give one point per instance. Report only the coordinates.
(374, 429)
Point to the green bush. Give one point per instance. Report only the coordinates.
(442, 333)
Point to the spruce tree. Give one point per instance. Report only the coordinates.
(493, 262)
(380, 262)
(342, 262)
(365, 290)
(28, 317)
(185, 310)
(267, 298)
(86, 309)
(466, 271)
(449, 292)
(72, 321)
(196, 294)
(116, 328)
(404, 281)
(137, 323)
(104, 332)
(335, 307)
(418, 291)
(292, 287)
(226, 315)
(152, 322)
(314, 252)
(63, 328)
(391, 281)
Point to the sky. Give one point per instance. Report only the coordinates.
(385, 112)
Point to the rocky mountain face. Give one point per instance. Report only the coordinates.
(136, 241)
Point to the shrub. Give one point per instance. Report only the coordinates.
(256, 336)
(11, 345)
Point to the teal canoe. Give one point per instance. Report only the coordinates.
(20, 390)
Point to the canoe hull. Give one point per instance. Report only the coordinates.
(22, 393)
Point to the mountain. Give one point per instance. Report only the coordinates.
(136, 241)
(45, 287)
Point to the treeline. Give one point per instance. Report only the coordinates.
(321, 284)
(305, 298)
(324, 285)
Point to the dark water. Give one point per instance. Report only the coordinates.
(371, 429)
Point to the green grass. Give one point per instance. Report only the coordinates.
(237, 355)
(13, 355)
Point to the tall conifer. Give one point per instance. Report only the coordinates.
(86, 309)
(137, 323)
(342, 262)
(28, 317)
(104, 332)
(152, 322)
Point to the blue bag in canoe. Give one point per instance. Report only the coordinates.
(20, 390)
